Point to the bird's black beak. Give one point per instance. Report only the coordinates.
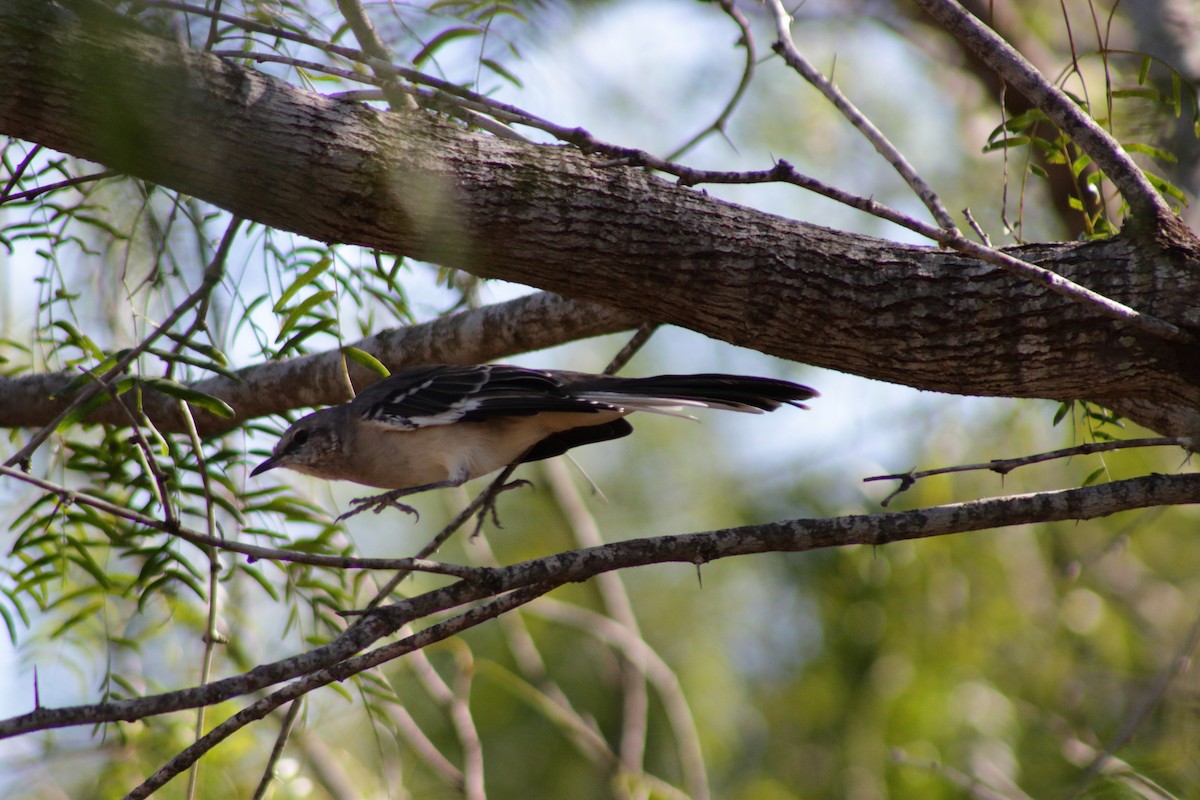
(270, 463)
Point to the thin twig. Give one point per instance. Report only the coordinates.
(786, 48)
(947, 235)
(543, 574)
(631, 348)
(147, 459)
(423, 746)
(1180, 661)
(369, 40)
(635, 696)
(634, 647)
(980, 232)
(18, 172)
(285, 731)
(746, 40)
(253, 552)
(53, 187)
(478, 504)
(211, 635)
(464, 727)
(1003, 466)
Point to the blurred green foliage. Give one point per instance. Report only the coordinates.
(994, 664)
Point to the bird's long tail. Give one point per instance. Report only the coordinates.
(674, 394)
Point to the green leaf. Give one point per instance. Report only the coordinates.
(9, 623)
(79, 413)
(441, 39)
(1063, 410)
(1152, 151)
(310, 275)
(258, 577)
(502, 72)
(1145, 93)
(299, 311)
(76, 338)
(365, 359)
(1007, 142)
(1093, 477)
(317, 327)
(492, 12)
(1166, 187)
(1144, 71)
(213, 405)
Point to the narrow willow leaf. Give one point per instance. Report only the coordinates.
(299, 311)
(1152, 151)
(78, 339)
(502, 72)
(1063, 410)
(310, 275)
(441, 39)
(363, 358)
(213, 405)
(318, 327)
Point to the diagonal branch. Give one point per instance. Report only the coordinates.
(788, 536)
(1147, 205)
(792, 56)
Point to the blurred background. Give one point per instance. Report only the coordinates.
(995, 664)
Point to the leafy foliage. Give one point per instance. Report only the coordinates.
(1124, 111)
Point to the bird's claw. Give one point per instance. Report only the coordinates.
(377, 503)
(489, 503)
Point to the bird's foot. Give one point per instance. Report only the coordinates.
(489, 502)
(377, 503)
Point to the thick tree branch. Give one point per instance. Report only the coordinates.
(528, 323)
(788, 536)
(552, 217)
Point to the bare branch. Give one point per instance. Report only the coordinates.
(339, 672)
(786, 48)
(1180, 660)
(543, 574)
(1003, 466)
(746, 41)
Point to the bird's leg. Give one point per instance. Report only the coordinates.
(379, 502)
(489, 496)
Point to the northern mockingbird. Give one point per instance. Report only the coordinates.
(438, 426)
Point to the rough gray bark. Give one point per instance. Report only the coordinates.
(552, 217)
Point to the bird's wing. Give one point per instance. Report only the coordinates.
(445, 394)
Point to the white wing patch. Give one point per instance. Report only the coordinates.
(668, 406)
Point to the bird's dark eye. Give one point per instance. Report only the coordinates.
(299, 438)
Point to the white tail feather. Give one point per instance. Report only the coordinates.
(668, 406)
